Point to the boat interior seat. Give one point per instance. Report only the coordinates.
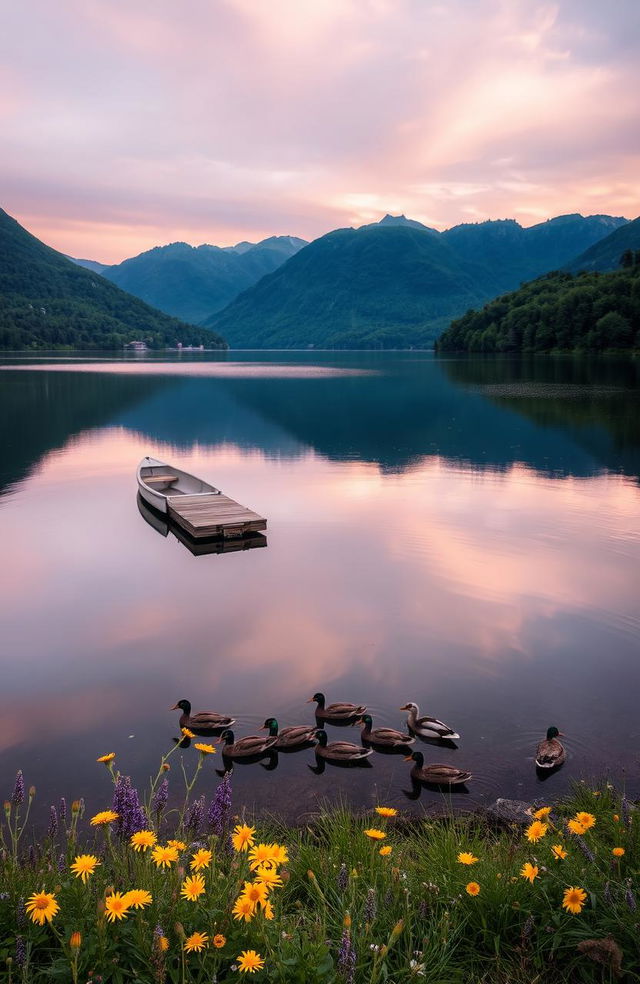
(167, 479)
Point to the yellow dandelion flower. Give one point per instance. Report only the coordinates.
(466, 858)
(573, 900)
(267, 875)
(137, 898)
(163, 944)
(575, 827)
(280, 854)
(142, 840)
(201, 859)
(472, 888)
(250, 961)
(219, 941)
(105, 816)
(107, 758)
(529, 871)
(267, 910)
(204, 749)
(42, 907)
(256, 892)
(386, 811)
(242, 837)
(192, 888)
(197, 942)
(375, 834)
(187, 733)
(84, 865)
(536, 831)
(618, 852)
(179, 845)
(586, 819)
(164, 857)
(543, 812)
(260, 854)
(243, 909)
(558, 852)
(385, 851)
(116, 906)
(75, 940)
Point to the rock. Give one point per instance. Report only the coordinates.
(511, 811)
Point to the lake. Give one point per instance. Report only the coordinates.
(461, 533)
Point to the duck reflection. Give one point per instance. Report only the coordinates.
(417, 786)
(202, 546)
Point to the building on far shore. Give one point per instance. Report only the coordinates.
(136, 346)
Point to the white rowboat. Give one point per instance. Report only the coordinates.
(160, 483)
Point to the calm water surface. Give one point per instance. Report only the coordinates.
(461, 533)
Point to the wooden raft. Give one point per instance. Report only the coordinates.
(214, 515)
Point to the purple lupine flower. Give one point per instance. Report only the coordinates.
(527, 929)
(21, 951)
(62, 809)
(131, 816)
(626, 812)
(630, 898)
(584, 847)
(343, 878)
(220, 808)
(194, 817)
(161, 797)
(52, 829)
(18, 790)
(158, 933)
(370, 906)
(347, 958)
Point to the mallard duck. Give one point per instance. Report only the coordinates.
(427, 727)
(203, 719)
(340, 711)
(245, 747)
(437, 775)
(339, 751)
(292, 737)
(388, 737)
(550, 752)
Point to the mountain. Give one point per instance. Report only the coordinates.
(397, 283)
(191, 282)
(92, 265)
(46, 301)
(605, 255)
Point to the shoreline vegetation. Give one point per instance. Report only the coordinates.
(140, 892)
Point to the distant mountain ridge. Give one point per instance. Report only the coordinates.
(604, 256)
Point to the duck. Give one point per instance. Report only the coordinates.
(293, 737)
(388, 737)
(340, 711)
(550, 752)
(203, 719)
(245, 747)
(427, 727)
(436, 774)
(339, 751)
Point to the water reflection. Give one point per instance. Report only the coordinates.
(204, 545)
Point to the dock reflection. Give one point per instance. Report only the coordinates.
(164, 526)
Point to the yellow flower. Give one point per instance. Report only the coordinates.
(179, 845)
(142, 840)
(75, 940)
(137, 898)
(163, 944)
(618, 852)
(543, 812)
(586, 819)
(267, 875)
(187, 733)
(192, 888)
(472, 888)
(242, 837)
(106, 816)
(116, 906)
(465, 858)
(201, 859)
(107, 758)
(280, 855)
(375, 834)
(616, 818)
(386, 811)
(346, 922)
(267, 910)
(259, 854)
(536, 831)
(197, 941)
(42, 907)
(573, 900)
(164, 856)
(84, 865)
(558, 852)
(529, 871)
(204, 749)
(385, 851)
(250, 961)
(219, 941)
(256, 892)
(243, 909)
(575, 827)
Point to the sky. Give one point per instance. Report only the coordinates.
(127, 124)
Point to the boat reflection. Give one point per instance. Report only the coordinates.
(164, 526)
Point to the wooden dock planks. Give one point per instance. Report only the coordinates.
(214, 515)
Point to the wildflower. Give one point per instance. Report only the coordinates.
(107, 758)
(573, 900)
(201, 859)
(267, 875)
(543, 812)
(21, 951)
(529, 871)
(195, 816)
(259, 854)
(77, 806)
(116, 906)
(161, 797)
(126, 803)
(386, 811)
(347, 920)
(630, 898)
(53, 823)
(465, 857)
(164, 856)
(472, 888)
(204, 749)
(347, 957)
(343, 878)
(75, 940)
(375, 834)
(575, 827)
(584, 847)
(558, 852)
(616, 818)
(280, 855)
(163, 944)
(197, 941)
(243, 909)
(256, 892)
(105, 816)
(219, 941)
(42, 906)
(536, 831)
(187, 733)
(586, 819)
(18, 790)
(250, 961)
(385, 851)
(192, 888)
(142, 839)
(62, 809)
(179, 845)
(84, 865)
(218, 814)
(137, 898)
(618, 852)
(242, 837)
(267, 910)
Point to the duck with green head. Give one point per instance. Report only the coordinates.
(387, 737)
(201, 719)
(295, 736)
(339, 711)
(550, 752)
(245, 747)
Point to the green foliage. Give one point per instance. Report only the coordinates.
(48, 302)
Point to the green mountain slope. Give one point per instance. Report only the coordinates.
(605, 254)
(46, 301)
(191, 282)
